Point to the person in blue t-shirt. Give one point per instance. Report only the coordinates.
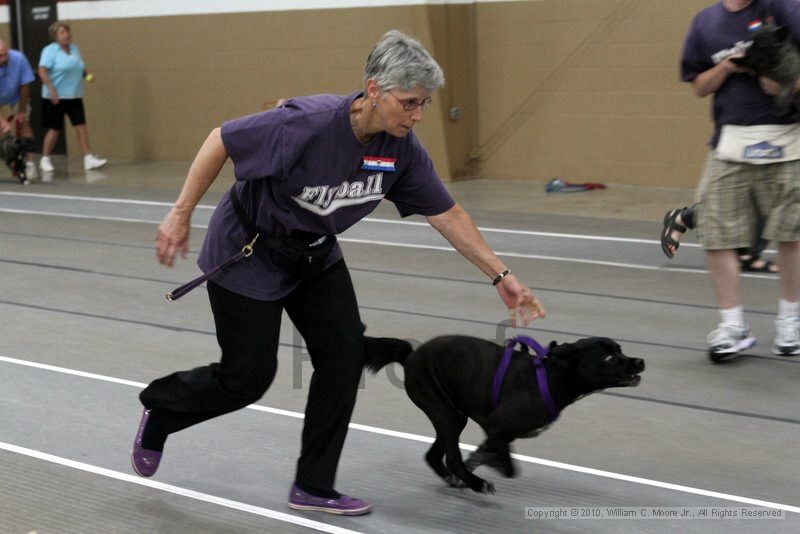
(306, 171)
(62, 71)
(16, 76)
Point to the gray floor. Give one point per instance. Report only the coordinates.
(84, 325)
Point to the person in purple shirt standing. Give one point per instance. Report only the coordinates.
(753, 167)
(306, 171)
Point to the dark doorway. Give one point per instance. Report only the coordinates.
(29, 22)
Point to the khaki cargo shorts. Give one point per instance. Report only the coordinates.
(7, 110)
(732, 196)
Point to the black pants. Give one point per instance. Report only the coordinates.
(53, 114)
(325, 312)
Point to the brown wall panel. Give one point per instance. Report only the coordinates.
(583, 89)
(588, 91)
(454, 46)
(162, 83)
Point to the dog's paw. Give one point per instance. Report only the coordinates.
(508, 471)
(474, 461)
(487, 488)
(511, 472)
(505, 468)
(455, 482)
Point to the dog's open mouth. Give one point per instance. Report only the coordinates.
(631, 381)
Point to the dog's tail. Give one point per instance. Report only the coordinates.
(381, 351)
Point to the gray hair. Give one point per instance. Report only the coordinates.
(401, 61)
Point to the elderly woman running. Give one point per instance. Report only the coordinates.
(306, 171)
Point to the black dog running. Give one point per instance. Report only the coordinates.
(451, 378)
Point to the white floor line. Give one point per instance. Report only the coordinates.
(534, 256)
(367, 219)
(425, 247)
(177, 490)
(104, 200)
(464, 446)
(409, 245)
(589, 237)
(80, 216)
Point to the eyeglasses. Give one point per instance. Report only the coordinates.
(412, 103)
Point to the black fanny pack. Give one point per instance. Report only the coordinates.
(301, 254)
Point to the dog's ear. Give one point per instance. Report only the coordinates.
(565, 350)
(783, 34)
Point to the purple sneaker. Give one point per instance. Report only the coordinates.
(144, 461)
(344, 505)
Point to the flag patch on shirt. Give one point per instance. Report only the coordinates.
(753, 26)
(372, 163)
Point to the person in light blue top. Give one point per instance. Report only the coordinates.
(16, 76)
(65, 66)
(62, 71)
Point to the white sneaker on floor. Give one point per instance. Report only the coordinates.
(787, 336)
(92, 162)
(30, 171)
(46, 165)
(728, 340)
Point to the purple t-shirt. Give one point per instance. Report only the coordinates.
(716, 34)
(301, 167)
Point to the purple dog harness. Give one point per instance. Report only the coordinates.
(541, 373)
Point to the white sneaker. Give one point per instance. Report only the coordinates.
(727, 340)
(787, 336)
(92, 162)
(46, 165)
(30, 171)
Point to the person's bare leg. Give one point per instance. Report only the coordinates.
(49, 142)
(789, 261)
(724, 268)
(787, 323)
(83, 138)
(732, 335)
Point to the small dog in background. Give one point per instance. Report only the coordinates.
(773, 54)
(453, 378)
(14, 152)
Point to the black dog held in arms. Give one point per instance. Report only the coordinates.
(13, 150)
(451, 378)
(773, 54)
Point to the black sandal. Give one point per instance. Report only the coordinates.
(768, 266)
(671, 225)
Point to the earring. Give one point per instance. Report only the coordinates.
(374, 104)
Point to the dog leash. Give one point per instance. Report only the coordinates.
(541, 373)
(246, 251)
(253, 235)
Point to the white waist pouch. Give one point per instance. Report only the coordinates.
(759, 144)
